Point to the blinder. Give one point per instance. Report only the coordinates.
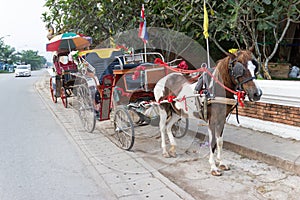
(238, 70)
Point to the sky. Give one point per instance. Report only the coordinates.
(22, 26)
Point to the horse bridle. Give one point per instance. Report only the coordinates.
(236, 70)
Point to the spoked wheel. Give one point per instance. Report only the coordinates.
(63, 96)
(124, 129)
(180, 128)
(86, 110)
(54, 98)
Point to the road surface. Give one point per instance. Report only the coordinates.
(37, 159)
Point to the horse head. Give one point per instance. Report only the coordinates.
(242, 70)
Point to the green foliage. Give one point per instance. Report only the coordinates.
(233, 23)
(9, 55)
(31, 57)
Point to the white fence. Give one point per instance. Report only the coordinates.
(275, 92)
(280, 92)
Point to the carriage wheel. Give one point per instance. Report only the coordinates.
(54, 98)
(63, 97)
(124, 129)
(179, 129)
(86, 110)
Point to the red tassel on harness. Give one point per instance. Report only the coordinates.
(182, 65)
(171, 98)
(158, 61)
(185, 104)
(240, 97)
(183, 99)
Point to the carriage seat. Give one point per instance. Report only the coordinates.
(129, 61)
(134, 84)
(68, 67)
(120, 62)
(103, 65)
(130, 66)
(144, 77)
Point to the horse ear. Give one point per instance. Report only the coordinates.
(252, 48)
(232, 56)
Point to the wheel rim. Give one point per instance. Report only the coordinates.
(179, 129)
(53, 97)
(63, 97)
(124, 129)
(85, 108)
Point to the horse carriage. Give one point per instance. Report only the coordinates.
(119, 86)
(63, 75)
(63, 78)
(139, 89)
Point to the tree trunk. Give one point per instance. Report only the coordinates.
(265, 69)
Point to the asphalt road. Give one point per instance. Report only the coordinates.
(37, 159)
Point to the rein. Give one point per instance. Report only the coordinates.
(240, 94)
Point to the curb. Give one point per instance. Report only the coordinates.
(252, 153)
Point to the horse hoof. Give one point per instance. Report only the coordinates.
(172, 151)
(216, 173)
(172, 154)
(166, 155)
(224, 167)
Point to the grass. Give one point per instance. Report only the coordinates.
(4, 71)
(286, 79)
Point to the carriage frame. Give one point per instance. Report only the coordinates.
(62, 80)
(119, 87)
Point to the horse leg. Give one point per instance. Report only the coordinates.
(172, 150)
(162, 126)
(221, 164)
(214, 170)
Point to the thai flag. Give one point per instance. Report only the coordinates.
(143, 34)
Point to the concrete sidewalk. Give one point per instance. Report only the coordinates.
(127, 176)
(262, 146)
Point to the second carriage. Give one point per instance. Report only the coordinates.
(119, 86)
(62, 77)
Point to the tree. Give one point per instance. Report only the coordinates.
(240, 23)
(31, 57)
(99, 19)
(259, 23)
(233, 23)
(6, 53)
(9, 55)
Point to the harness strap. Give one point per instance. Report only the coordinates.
(237, 114)
(244, 81)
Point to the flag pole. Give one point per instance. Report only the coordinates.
(145, 50)
(205, 31)
(143, 34)
(207, 50)
(145, 37)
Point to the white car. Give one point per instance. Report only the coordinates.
(23, 70)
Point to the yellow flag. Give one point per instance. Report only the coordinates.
(205, 22)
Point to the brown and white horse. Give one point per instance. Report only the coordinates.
(236, 71)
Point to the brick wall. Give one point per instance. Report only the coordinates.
(272, 112)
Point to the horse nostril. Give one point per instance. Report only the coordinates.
(258, 94)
